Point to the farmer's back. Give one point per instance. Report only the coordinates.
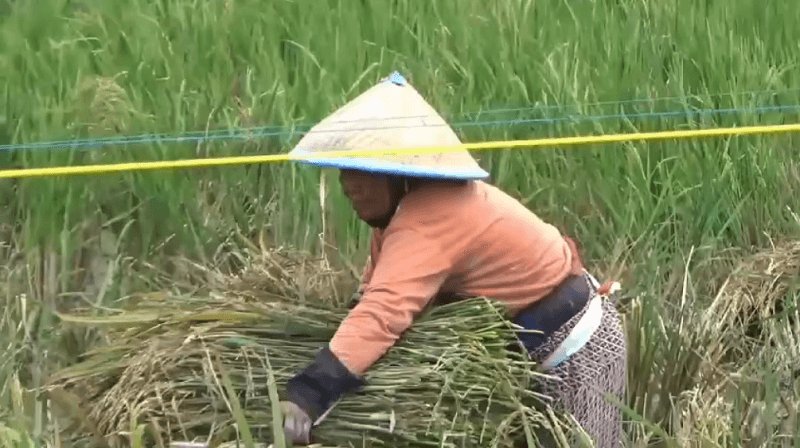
(469, 239)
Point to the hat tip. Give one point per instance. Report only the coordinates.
(397, 78)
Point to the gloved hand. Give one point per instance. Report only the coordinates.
(314, 391)
(296, 424)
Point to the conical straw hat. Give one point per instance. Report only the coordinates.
(390, 115)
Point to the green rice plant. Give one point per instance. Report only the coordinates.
(9, 438)
(94, 68)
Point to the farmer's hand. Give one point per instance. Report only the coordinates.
(314, 391)
(296, 424)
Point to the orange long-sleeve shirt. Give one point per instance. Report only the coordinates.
(473, 240)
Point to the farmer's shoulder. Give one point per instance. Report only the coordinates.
(437, 201)
(453, 208)
(444, 199)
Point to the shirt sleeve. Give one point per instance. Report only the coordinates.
(408, 275)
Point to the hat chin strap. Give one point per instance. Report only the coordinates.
(398, 187)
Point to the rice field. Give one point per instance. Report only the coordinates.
(701, 234)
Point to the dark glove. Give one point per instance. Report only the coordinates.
(314, 391)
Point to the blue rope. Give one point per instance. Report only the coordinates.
(682, 100)
(233, 134)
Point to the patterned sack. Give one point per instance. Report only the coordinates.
(586, 376)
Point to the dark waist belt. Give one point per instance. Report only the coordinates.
(554, 310)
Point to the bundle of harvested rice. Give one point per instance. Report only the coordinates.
(187, 366)
(755, 291)
(750, 298)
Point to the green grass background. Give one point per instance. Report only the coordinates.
(100, 68)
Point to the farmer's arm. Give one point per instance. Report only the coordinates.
(410, 272)
(408, 275)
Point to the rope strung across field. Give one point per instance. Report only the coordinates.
(525, 116)
(508, 144)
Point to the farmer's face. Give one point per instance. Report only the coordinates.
(369, 193)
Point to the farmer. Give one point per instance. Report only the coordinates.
(440, 231)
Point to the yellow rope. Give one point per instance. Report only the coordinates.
(249, 160)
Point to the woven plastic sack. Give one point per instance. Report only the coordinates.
(584, 378)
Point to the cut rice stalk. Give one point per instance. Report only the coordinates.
(448, 374)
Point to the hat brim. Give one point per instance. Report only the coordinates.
(398, 169)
